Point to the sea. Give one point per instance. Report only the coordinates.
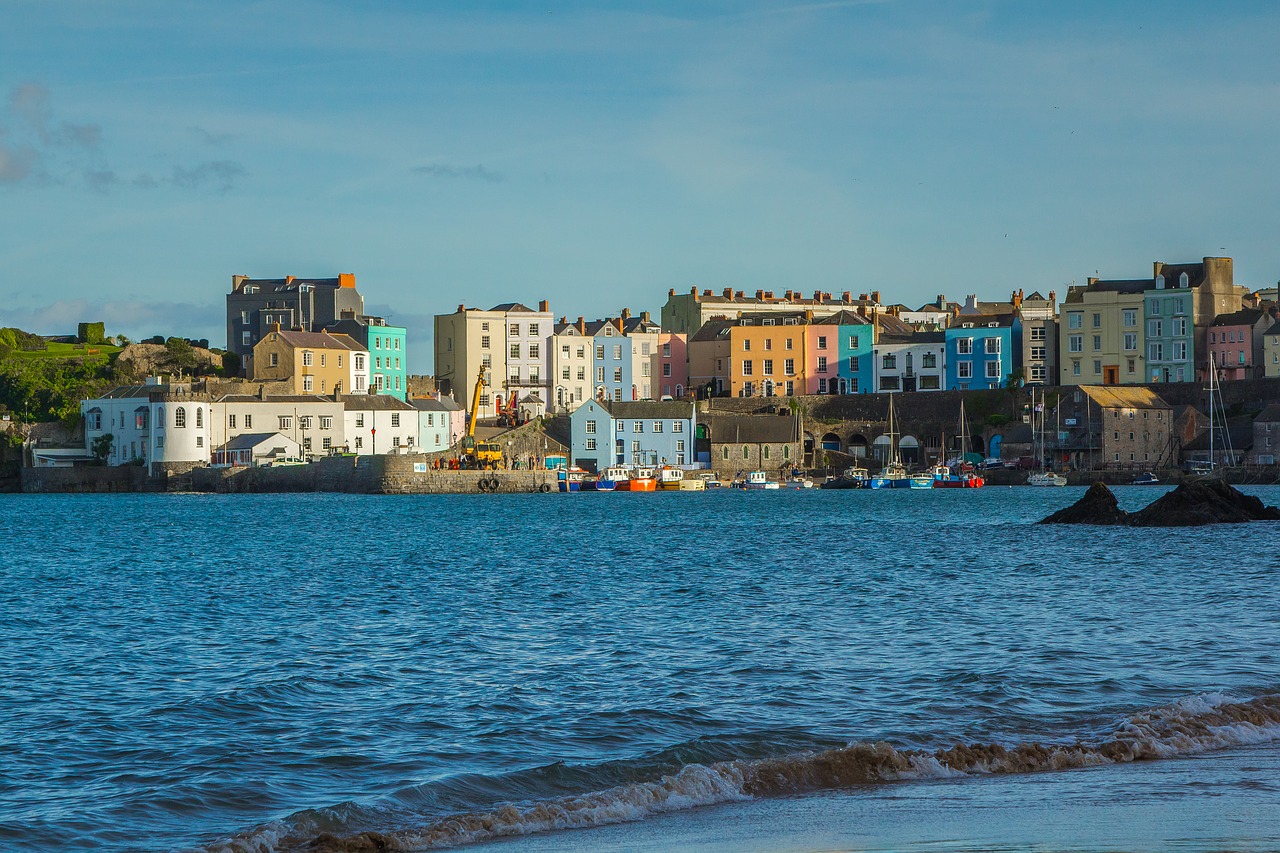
(720, 671)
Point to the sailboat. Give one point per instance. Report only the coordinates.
(943, 478)
(1212, 468)
(894, 474)
(1042, 476)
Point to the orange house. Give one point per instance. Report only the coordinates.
(767, 355)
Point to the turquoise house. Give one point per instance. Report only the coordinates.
(388, 356)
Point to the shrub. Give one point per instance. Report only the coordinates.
(91, 333)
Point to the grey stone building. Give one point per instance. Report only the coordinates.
(255, 305)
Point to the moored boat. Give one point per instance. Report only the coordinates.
(693, 484)
(922, 481)
(892, 476)
(1046, 478)
(757, 480)
(570, 479)
(612, 477)
(854, 477)
(1146, 478)
(641, 480)
(669, 478)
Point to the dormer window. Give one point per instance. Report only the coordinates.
(1159, 282)
(1184, 280)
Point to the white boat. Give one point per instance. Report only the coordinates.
(612, 477)
(670, 478)
(1042, 476)
(894, 474)
(759, 480)
(693, 484)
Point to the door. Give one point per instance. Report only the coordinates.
(1111, 374)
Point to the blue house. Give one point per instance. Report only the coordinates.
(613, 361)
(603, 433)
(982, 350)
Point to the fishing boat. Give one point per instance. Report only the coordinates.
(963, 477)
(922, 481)
(1042, 476)
(757, 480)
(1146, 478)
(570, 479)
(612, 478)
(641, 480)
(894, 474)
(854, 477)
(669, 478)
(693, 484)
(798, 483)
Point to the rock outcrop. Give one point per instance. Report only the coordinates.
(1189, 505)
(1098, 506)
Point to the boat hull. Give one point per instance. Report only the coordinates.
(888, 483)
(693, 485)
(638, 485)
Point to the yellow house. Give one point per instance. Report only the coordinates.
(315, 362)
(1100, 334)
(767, 355)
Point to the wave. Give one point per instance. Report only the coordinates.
(1194, 725)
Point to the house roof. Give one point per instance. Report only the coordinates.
(282, 398)
(319, 340)
(1124, 397)
(752, 429)
(283, 285)
(375, 402)
(1274, 330)
(1239, 431)
(888, 324)
(1130, 285)
(252, 440)
(980, 321)
(1172, 272)
(911, 338)
(1270, 414)
(513, 308)
(649, 409)
(711, 330)
(1243, 317)
(843, 317)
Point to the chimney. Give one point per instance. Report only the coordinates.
(346, 279)
(275, 327)
(817, 296)
(582, 326)
(875, 296)
(728, 293)
(1053, 298)
(262, 391)
(759, 294)
(288, 279)
(1016, 299)
(626, 313)
(739, 294)
(671, 291)
(544, 306)
(863, 297)
(461, 308)
(808, 315)
(644, 315)
(826, 297)
(1092, 280)
(768, 294)
(237, 280)
(846, 297)
(706, 292)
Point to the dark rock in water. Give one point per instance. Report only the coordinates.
(1190, 505)
(1098, 506)
(1203, 502)
(365, 842)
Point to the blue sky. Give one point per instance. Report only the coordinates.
(599, 154)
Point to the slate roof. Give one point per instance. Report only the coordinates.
(711, 330)
(751, 429)
(319, 340)
(1243, 317)
(250, 440)
(1269, 415)
(1239, 430)
(1172, 272)
(1274, 330)
(282, 285)
(649, 409)
(375, 402)
(914, 338)
(843, 317)
(983, 321)
(1131, 285)
(513, 308)
(282, 398)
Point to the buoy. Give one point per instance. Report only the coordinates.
(544, 488)
(483, 484)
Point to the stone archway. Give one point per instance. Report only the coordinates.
(881, 447)
(858, 445)
(831, 441)
(909, 449)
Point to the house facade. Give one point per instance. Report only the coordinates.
(1101, 339)
(748, 443)
(604, 433)
(509, 341)
(1129, 428)
(686, 313)
(914, 361)
(838, 353)
(380, 424)
(1236, 343)
(671, 365)
(572, 365)
(1266, 437)
(387, 347)
(768, 355)
(257, 305)
(312, 362)
(982, 350)
(1039, 338)
(314, 422)
(710, 355)
(155, 424)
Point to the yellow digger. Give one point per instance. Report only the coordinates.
(479, 454)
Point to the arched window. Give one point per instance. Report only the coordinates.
(180, 417)
(746, 452)
(1184, 280)
(786, 451)
(766, 451)
(724, 452)
(199, 417)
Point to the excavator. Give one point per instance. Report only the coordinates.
(482, 454)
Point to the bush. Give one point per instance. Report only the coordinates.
(91, 333)
(179, 354)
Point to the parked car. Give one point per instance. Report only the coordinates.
(993, 462)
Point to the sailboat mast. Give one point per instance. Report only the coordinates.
(1212, 372)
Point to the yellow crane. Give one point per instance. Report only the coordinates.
(483, 454)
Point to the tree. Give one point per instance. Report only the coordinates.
(101, 446)
(179, 354)
(91, 333)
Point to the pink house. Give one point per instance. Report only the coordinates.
(671, 365)
(1235, 341)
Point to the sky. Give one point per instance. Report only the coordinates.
(599, 154)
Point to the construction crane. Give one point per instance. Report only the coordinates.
(483, 454)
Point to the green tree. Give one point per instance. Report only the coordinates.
(179, 355)
(101, 446)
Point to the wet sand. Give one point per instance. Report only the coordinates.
(1226, 800)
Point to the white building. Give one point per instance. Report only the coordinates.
(509, 340)
(914, 362)
(314, 422)
(572, 365)
(153, 424)
(380, 424)
(436, 431)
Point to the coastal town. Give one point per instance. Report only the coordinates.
(1134, 380)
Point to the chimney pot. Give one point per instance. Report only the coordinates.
(544, 306)
(728, 293)
(461, 308)
(846, 297)
(626, 313)
(644, 315)
(759, 294)
(875, 296)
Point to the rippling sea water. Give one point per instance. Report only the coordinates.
(248, 673)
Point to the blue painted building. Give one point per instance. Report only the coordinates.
(632, 433)
(388, 358)
(982, 351)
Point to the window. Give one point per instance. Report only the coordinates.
(308, 383)
(1075, 343)
(638, 426)
(1178, 326)
(927, 383)
(582, 374)
(964, 346)
(746, 452)
(657, 426)
(1155, 352)
(484, 401)
(231, 421)
(622, 426)
(304, 422)
(533, 330)
(1097, 367)
(591, 444)
(248, 421)
(992, 346)
(1130, 340)
(789, 367)
(591, 427)
(199, 441)
(644, 348)
(1097, 321)
(1037, 373)
(746, 345)
(680, 451)
(397, 347)
(993, 370)
(599, 374)
(308, 358)
(854, 361)
(359, 442)
(535, 350)
(1037, 333)
(359, 361)
(274, 359)
(1154, 329)
(768, 367)
(1130, 317)
(564, 372)
(964, 369)
(746, 367)
(666, 369)
(286, 422)
(1130, 365)
(1037, 353)
(514, 330)
(395, 441)
(617, 374)
(484, 342)
(180, 417)
(635, 447)
(1097, 343)
(677, 426)
(617, 351)
(822, 364)
(644, 368)
(328, 442)
(1075, 368)
(514, 351)
(395, 419)
(822, 342)
(768, 343)
(1075, 320)
(764, 452)
(600, 352)
(788, 344)
(889, 383)
(1179, 350)
(246, 338)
